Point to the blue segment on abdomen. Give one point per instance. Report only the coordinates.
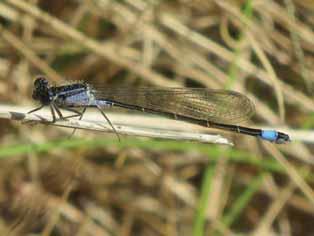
(270, 135)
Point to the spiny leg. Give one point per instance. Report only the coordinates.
(104, 115)
(58, 111)
(78, 113)
(36, 109)
(31, 111)
(69, 109)
(81, 116)
(82, 113)
(53, 114)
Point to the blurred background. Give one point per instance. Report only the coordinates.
(92, 184)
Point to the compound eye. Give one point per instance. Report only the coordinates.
(40, 82)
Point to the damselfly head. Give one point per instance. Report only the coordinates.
(41, 90)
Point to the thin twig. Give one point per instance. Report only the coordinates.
(138, 125)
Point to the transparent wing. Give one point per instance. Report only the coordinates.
(220, 106)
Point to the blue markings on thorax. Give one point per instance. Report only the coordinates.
(73, 96)
(78, 96)
(270, 135)
(77, 100)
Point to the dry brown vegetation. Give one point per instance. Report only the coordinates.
(93, 184)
